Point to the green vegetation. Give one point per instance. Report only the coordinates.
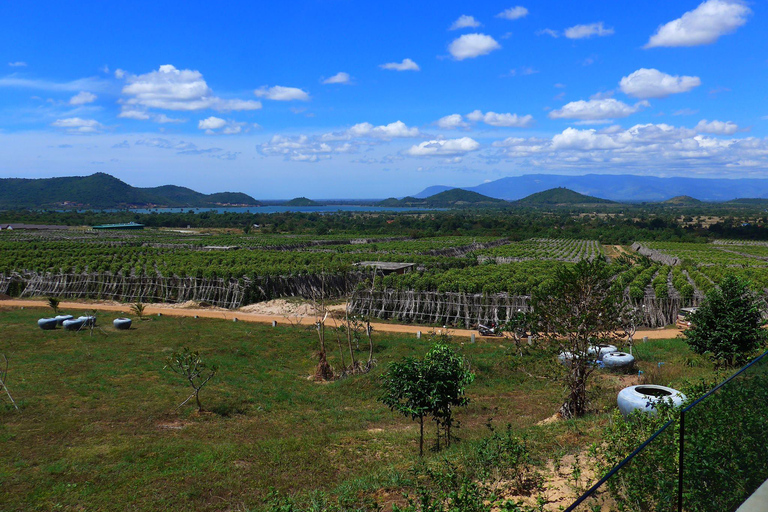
(301, 201)
(728, 326)
(454, 197)
(559, 196)
(104, 191)
(97, 426)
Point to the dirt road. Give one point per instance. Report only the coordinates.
(170, 310)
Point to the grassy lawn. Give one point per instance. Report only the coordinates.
(99, 429)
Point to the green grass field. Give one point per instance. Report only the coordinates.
(98, 427)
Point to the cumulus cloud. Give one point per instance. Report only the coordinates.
(18, 64)
(494, 119)
(470, 46)
(586, 31)
(398, 129)
(451, 122)
(513, 13)
(339, 78)
(717, 127)
(598, 109)
(465, 21)
(444, 147)
(703, 25)
(82, 98)
(169, 88)
(572, 138)
(652, 83)
(640, 149)
(406, 65)
(280, 93)
(212, 123)
(78, 125)
(299, 148)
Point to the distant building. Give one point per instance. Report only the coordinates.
(388, 267)
(130, 225)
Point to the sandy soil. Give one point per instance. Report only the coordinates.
(271, 312)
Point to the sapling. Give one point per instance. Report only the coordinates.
(190, 365)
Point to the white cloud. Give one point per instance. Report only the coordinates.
(169, 88)
(465, 21)
(82, 98)
(397, 129)
(18, 64)
(280, 93)
(406, 65)
(444, 147)
(717, 127)
(164, 119)
(513, 13)
(586, 31)
(703, 25)
(138, 115)
(548, 32)
(81, 84)
(470, 46)
(78, 125)
(652, 83)
(572, 138)
(212, 123)
(494, 119)
(592, 110)
(120, 74)
(451, 122)
(339, 78)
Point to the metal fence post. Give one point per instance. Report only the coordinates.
(681, 463)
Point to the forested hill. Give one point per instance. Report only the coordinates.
(450, 198)
(101, 190)
(560, 195)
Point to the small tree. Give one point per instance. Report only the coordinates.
(405, 392)
(53, 302)
(579, 309)
(430, 386)
(190, 365)
(447, 378)
(728, 326)
(138, 310)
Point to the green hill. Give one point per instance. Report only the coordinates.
(559, 196)
(454, 197)
(301, 201)
(101, 190)
(682, 201)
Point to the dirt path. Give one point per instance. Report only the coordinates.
(174, 310)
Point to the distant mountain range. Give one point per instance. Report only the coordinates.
(101, 190)
(622, 188)
(558, 196)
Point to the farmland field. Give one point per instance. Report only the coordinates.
(99, 428)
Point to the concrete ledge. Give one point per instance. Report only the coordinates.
(758, 502)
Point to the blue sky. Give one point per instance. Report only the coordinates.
(344, 99)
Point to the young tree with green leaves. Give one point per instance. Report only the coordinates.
(447, 377)
(579, 309)
(432, 386)
(405, 391)
(190, 365)
(728, 326)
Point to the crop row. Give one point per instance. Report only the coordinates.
(546, 249)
